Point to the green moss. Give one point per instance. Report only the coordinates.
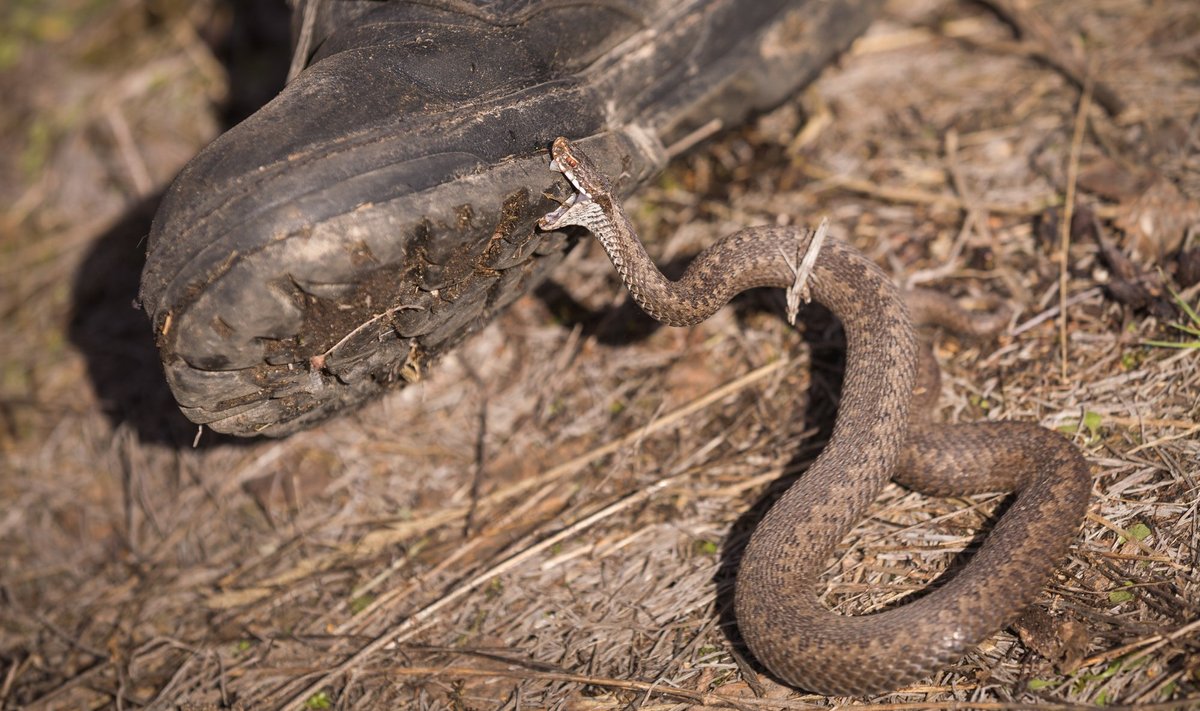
(1092, 421)
(1138, 532)
(10, 50)
(359, 603)
(39, 139)
(1120, 595)
(1131, 360)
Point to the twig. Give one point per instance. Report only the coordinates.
(303, 40)
(419, 619)
(317, 362)
(1041, 44)
(406, 529)
(973, 221)
(479, 465)
(1153, 642)
(725, 701)
(705, 131)
(1055, 310)
(1162, 440)
(82, 677)
(10, 679)
(919, 197)
(127, 146)
(1068, 214)
(1126, 535)
(799, 290)
(410, 585)
(1148, 422)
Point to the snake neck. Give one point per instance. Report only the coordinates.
(657, 295)
(707, 284)
(672, 303)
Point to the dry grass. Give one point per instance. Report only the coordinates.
(549, 521)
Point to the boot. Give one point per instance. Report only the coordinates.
(382, 207)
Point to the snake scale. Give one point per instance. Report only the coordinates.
(881, 431)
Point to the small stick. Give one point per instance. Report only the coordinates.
(799, 290)
(418, 620)
(1054, 310)
(1152, 643)
(1085, 101)
(685, 143)
(914, 196)
(1040, 40)
(404, 529)
(303, 41)
(1117, 529)
(317, 362)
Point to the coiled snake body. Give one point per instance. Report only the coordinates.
(880, 433)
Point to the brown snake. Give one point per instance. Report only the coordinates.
(881, 432)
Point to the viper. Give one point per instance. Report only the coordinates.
(882, 430)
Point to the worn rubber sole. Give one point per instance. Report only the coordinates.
(382, 207)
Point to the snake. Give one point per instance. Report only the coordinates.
(883, 430)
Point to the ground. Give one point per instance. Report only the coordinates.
(552, 518)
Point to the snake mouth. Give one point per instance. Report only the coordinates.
(554, 219)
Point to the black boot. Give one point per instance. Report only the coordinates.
(381, 208)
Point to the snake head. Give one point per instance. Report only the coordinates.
(584, 177)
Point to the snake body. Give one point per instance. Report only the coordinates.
(881, 431)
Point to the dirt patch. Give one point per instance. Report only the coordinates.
(551, 517)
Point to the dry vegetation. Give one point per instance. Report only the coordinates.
(552, 518)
